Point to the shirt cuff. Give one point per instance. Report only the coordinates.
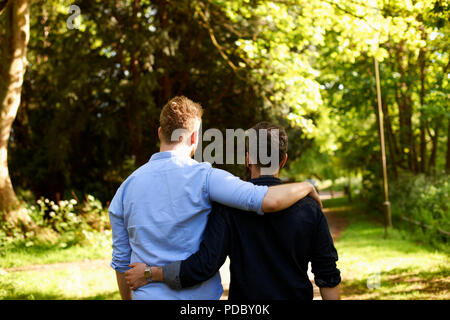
(262, 191)
(119, 268)
(171, 274)
(328, 282)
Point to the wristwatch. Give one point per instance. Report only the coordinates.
(148, 273)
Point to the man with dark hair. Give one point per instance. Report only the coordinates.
(269, 254)
(160, 211)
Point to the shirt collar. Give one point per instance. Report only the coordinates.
(165, 155)
(266, 181)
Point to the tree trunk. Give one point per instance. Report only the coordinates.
(13, 46)
(166, 81)
(134, 107)
(423, 72)
(423, 143)
(447, 164)
(434, 148)
(405, 109)
(392, 144)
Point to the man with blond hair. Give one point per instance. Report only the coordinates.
(160, 211)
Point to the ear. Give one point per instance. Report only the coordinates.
(194, 138)
(284, 161)
(159, 133)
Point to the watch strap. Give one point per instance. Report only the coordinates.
(148, 273)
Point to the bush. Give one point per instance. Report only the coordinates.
(424, 200)
(64, 223)
(372, 190)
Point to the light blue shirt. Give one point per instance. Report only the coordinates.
(160, 211)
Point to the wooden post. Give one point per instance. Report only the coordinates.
(386, 204)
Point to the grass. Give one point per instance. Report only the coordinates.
(90, 280)
(396, 267)
(71, 283)
(99, 247)
(335, 202)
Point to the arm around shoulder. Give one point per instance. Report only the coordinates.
(283, 196)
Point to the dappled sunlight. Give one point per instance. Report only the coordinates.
(70, 282)
(402, 284)
(91, 92)
(405, 269)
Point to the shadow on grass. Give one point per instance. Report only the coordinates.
(401, 283)
(37, 295)
(104, 296)
(32, 296)
(365, 232)
(10, 291)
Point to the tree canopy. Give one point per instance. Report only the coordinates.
(92, 95)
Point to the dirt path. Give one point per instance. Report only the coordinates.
(336, 222)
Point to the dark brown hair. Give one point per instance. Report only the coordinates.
(282, 141)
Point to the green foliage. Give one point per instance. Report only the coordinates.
(407, 269)
(425, 200)
(335, 203)
(314, 163)
(92, 96)
(17, 254)
(414, 74)
(62, 224)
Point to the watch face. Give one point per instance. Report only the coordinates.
(147, 273)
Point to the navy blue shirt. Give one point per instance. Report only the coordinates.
(269, 254)
(159, 213)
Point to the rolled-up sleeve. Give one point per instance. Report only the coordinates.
(121, 250)
(171, 274)
(229, 190)
(323, 262)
